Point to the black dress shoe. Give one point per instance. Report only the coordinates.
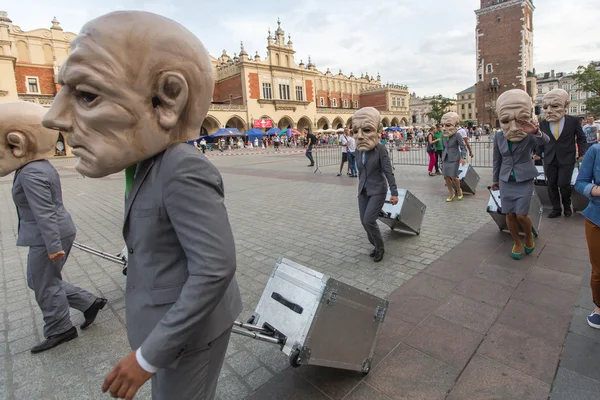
(554, 214)
(91, 313)
(55, 340)
(372, 254)
(378, 255)
(568, 212)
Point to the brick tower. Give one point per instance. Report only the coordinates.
(504, 53)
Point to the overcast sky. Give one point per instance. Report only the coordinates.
(428, 45)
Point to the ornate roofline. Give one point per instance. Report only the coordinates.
(506, 4)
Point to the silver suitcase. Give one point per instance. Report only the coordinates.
(468, 178)
(494, 208)
(578, 201)
(407, 215)
(323, 321)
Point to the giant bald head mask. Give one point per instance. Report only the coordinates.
(134, 84)
(366, 125)
(450, 122)
(555, 104)
(22, 137)
(513, 107)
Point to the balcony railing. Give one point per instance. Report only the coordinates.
(41, 99)
(227, 107)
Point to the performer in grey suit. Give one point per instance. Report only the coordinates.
(514, 169)
(375, 174)
(454, 146)
(136, 88)
(45, 226)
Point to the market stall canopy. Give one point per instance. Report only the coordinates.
(227, 132)
(255, 133)
(273, 131)
(320, 131)
(394, 128)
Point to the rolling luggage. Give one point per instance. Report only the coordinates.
(407, 215)
(494, 209)
(321, 321)
(468, 178)
(540, 185)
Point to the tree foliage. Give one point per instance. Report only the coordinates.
(588, 80)
(438, 108)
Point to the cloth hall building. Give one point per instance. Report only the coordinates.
(250, 91)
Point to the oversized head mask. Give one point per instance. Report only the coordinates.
(134, 84)
(555, 104)
(23, 139)
(513, 106)
(450, 122)
(367, 127)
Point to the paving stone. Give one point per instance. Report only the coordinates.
(504, 275)
(569, 385)
(552, 300)
(243, 363)
(468, 313)
(365, 391)
(485, 379)
(528, 354)
(258, 377)
(485, 291)
(445, 341)
(409, 374)
(581, 355)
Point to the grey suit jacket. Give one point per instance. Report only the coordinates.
(43, 219)
(376, 171)
(518, 160)
(453, 146)
(181, 289)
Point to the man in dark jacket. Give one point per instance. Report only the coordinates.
(560, 154)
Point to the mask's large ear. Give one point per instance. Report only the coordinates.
(18, 143)
(170, 99)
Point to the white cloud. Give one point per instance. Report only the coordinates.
(427, 44)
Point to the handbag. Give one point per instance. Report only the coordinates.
(430, 146)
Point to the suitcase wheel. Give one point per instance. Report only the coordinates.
(366, 368)
(125, 271)
(295, 359)
(418, 232)
(535, 235)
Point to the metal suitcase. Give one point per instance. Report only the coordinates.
(323, 321)
(494, 209)
(578, 201)
(407, 215)
(468, 178)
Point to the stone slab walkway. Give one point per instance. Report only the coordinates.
(478, 325)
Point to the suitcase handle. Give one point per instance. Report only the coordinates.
(292, 306)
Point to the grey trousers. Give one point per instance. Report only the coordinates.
(196, 374)
(53, 295)
(369, 208)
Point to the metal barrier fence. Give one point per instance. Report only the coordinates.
(326, 155)
(405, 153)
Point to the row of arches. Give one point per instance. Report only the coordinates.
(211, 124)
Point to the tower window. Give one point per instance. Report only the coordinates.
(489, 68)
(499, 19)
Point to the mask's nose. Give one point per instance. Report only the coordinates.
(60, 115)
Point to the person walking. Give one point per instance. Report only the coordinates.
(203, 145)
(375, 173)
(439, 148)
(276, 143)
(591, 130)
(45, 226)
(587, 184)
(560, 153)
(431, 151)
(513, 168)
(343, 143)
(311, 140)
(352, 155)
(454, 149)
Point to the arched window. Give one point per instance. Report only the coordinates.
(48, 57)
(22, 51)
(277, 59)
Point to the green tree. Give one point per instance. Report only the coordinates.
(588, 80)
(438, 108)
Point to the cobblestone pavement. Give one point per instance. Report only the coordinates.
(277, 207)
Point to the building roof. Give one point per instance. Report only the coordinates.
(471, 89)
